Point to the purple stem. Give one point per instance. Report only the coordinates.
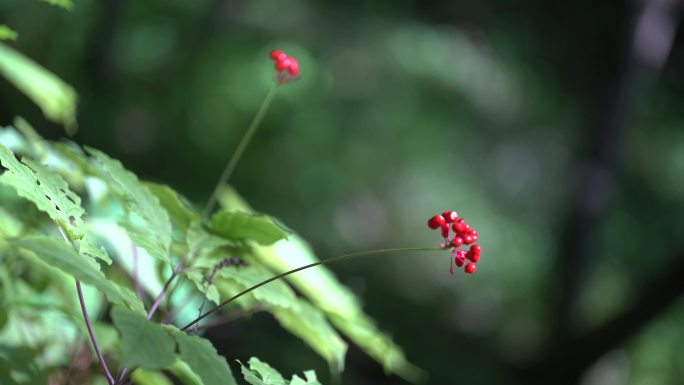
(160, 297)
(110, 379)
(136, 273)
(93, 339)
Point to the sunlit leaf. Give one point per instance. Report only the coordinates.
(149, 377)
(7, 33)
(66, 4)
(235, 226)
(143, 343)
(56, 99)
(310, 376)
(56, 253)
(180, 211)
(261, 373)
(46, 189)
(153, 233)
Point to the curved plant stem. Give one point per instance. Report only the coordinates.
(89, 326)
(230, 167)
(323, 262)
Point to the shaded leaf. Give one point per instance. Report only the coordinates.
(153, 232)
(275, 293)
(55, 98)
(143, 343)
(183, 372)
(236, 226)
(204, 360)
(309, 324)
(58, 254)
(46, 189)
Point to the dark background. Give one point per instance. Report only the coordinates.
(556, 128)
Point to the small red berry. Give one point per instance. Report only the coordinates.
(476, 249)
(451, 270)
(471, 268)
(278, 55)
(473, 257)
(457, 241)
(459, 261)
(293, 69)
(450, 216)
(468, 239)
(445, 230)
(436, 222)
(283, 64)
(461, 227)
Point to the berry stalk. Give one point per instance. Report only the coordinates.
(285, 274)
(232, 163)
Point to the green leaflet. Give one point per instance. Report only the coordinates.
(183, 372)
(236, 226)
(66, 4)
(151, 227)
(204, 360)
(7, 33)
(322, 288)
(46, 189)
(180, 211)
(143, 343)
(149, 377)
(276, 293)
(310, 324)
(55, 98)
(56, 253)
(261, 373)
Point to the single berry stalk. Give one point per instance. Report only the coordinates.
(285, 274)
(232, 163)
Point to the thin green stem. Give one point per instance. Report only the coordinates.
(323, 262)
(230, 167)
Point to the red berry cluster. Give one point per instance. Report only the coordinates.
(287, 68)
(463, 235)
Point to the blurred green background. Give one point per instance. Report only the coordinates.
(555, 128)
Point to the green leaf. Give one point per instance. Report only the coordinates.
(234, 226)
(309, 324)
(143, 343)
(66, 4)
(46, 189)
(183, 372)
(275, 293)
(58, 254)
(149, 377)
(204, 360)
(56, 98)
(327, 293)
(261, 373)
(7, 33)
(364, 333)
(180, 211)
(151, 226)
(310, 376)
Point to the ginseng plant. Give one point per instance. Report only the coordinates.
(233, 257)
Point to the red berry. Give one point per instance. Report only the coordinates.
(459, 261)
(476, 249)
(283, 64)
(468, 239)
(457, 241)
(461, 227)
(436, 221)
(471, 268)
(445, 230)
(278, 55)
(473, 256)
(450, 216)
(294, 67)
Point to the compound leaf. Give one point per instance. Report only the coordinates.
(143, 343)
